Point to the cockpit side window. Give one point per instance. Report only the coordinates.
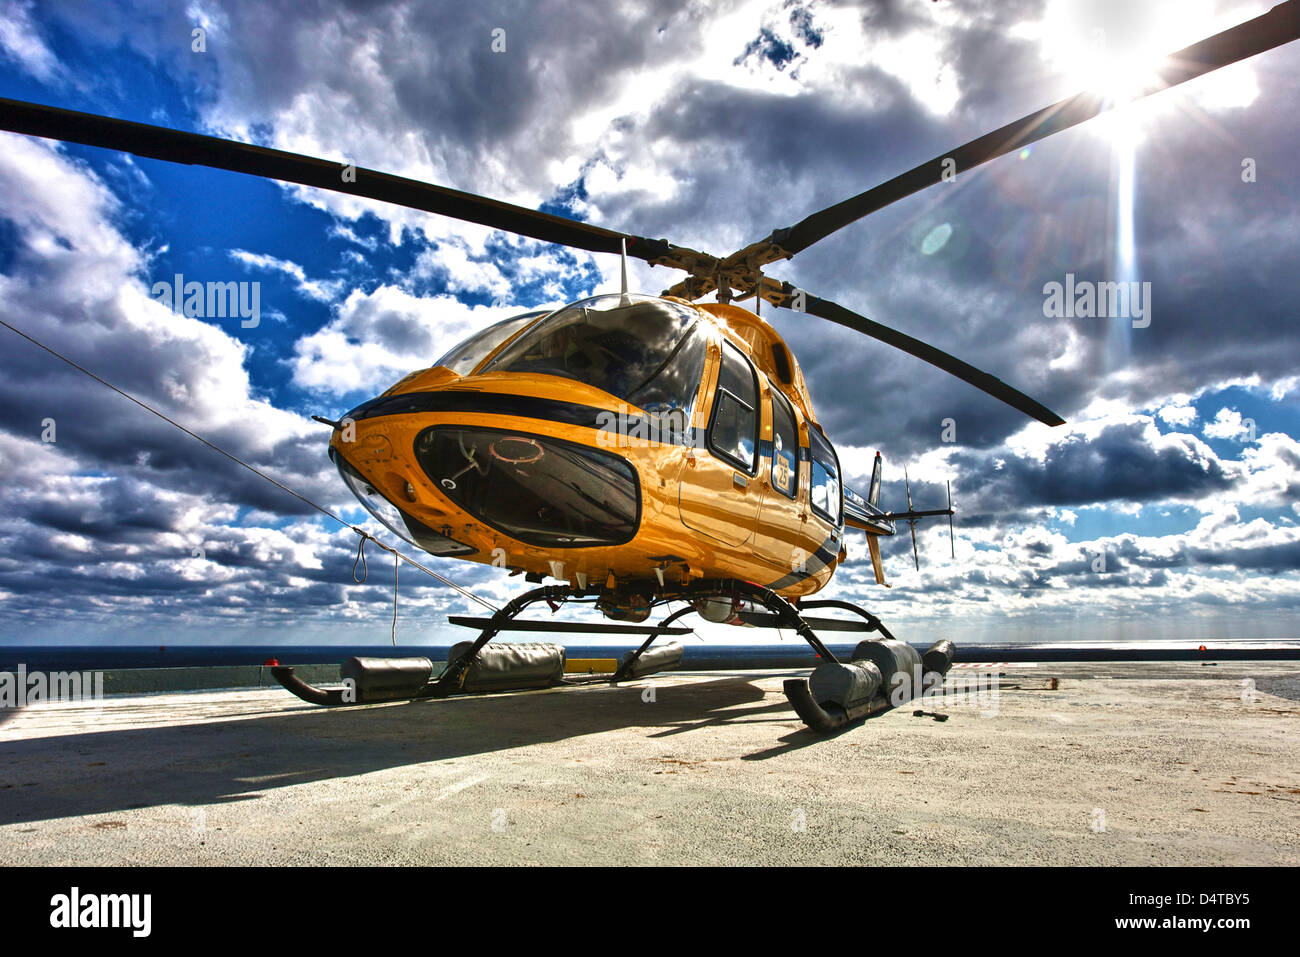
(733, 433)
(785, 447)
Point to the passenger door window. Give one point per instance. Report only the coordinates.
(827, 497)
(785, 447)
(733, 433)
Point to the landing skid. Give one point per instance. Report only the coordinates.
(882, 673)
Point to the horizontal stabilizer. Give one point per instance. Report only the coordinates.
(860, 513)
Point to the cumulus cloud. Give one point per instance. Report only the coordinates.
(108, 509)
(21, 42)
(1228, 424)
(1183, 415)
(378, 337)
(320, 290)
(709, 125)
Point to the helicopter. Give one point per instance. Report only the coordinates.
(636, 450)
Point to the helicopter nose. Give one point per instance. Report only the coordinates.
(392, 499)
(370, 447)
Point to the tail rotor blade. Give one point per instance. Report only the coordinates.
(907, 484)
(877, 564)
(952, 540)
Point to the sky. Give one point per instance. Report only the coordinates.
(1166, 507)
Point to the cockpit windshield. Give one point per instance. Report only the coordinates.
(644, 350)
(462, 358)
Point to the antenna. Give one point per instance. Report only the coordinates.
(873, 490)
(626, 301)
(913, 514)
(911, 522)
(952, 541)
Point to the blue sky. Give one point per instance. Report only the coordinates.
(1180, 462)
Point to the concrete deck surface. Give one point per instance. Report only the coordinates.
(1148, 764)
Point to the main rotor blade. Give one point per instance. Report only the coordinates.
(1273, 29)
(157, 142)
(991, 385)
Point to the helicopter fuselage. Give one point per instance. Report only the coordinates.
(722, 473)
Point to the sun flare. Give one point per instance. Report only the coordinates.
(1114, 48)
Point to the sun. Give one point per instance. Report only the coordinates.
(1114, 48)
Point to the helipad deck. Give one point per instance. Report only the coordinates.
(1155, 764)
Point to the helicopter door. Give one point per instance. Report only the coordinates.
(782, 532)
(719, 490)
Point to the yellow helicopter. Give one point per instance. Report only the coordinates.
(639, 443)
(636, 450)
(639, 449)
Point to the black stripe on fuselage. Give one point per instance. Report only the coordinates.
(526, 407)
(569, 413)
(815, 563)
